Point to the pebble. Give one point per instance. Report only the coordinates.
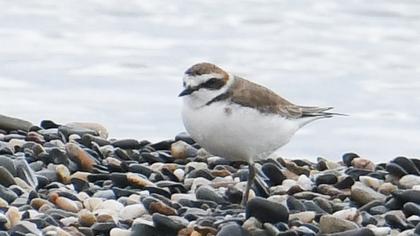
(81, 157)
(119, 232)
(266, 211)
(362, 194)
(232, 229)
(208, 193)
(72, 180)
(362, 163)
(6, 178)
(305, 217)
(326, 179)
(167, 225)
(182, 150)
(331, 224)
(132, 212)
(371, 182)
(8, 123)
(26, 228)
(86, 218)
(274, 173)
(409, 181)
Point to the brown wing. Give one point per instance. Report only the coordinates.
(246, 93)
(255, 96)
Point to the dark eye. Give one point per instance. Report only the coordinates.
(214, 83)
(183, 83)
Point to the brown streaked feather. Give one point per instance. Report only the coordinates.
(248, 94)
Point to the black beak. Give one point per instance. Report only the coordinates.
(187, 91)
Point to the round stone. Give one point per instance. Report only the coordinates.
(266, 211)
(363, 194)
(348, 158)
(395, 170)
(362, 163)
(331, 224)
(345, 183)
(232, 229)
(167, 225)
(407, 164)
(143, 229)
(326, 179)
(182, 150)
(8, 123)
(6, 178)
(274, 173)
(85, 161)
(409, 181)
(208, 193)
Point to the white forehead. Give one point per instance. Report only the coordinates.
(199, 79)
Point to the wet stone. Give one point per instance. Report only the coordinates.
(167, 225)
(363, 194)
(143, 229)
(101, 228)
(406, 164)
(233, 195)
(127, 144)
(355, 173)
(6, 178)
(294, 205)
(184, 137)
(378, 210)
(326, 179)
(26, 227)
(395, 170)
(208, 193)
(274, 173)
(6, 161)
(407, 196)
(355, 232)
(348, 158)
(5, 149)
(232, 229)
(330, 224)
(66, 131)
(362, 163)
(409, 181)
(8, 123)
(266, 210)
(396, 222)
(7, 194)
(411, 208)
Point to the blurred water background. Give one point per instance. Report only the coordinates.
(120, 63)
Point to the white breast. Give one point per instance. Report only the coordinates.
(235, 132)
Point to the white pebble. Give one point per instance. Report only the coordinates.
(132, 211)
(304, 182)
(119, 232)
(179, 173)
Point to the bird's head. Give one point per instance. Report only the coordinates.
(205, 81)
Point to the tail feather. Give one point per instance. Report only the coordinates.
(319, 112)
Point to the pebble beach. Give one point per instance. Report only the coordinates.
(72, 179)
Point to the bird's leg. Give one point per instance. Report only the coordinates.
(251, 177)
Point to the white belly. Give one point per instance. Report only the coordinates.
(235, 132)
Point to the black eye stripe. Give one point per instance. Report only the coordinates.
(213, 84)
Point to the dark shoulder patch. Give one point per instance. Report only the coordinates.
(221, 97)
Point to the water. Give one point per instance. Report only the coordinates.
(120, 64)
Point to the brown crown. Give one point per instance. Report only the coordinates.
(206, 68)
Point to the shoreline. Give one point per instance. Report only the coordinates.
(72, 180)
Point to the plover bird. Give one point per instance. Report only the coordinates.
(237, 119)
